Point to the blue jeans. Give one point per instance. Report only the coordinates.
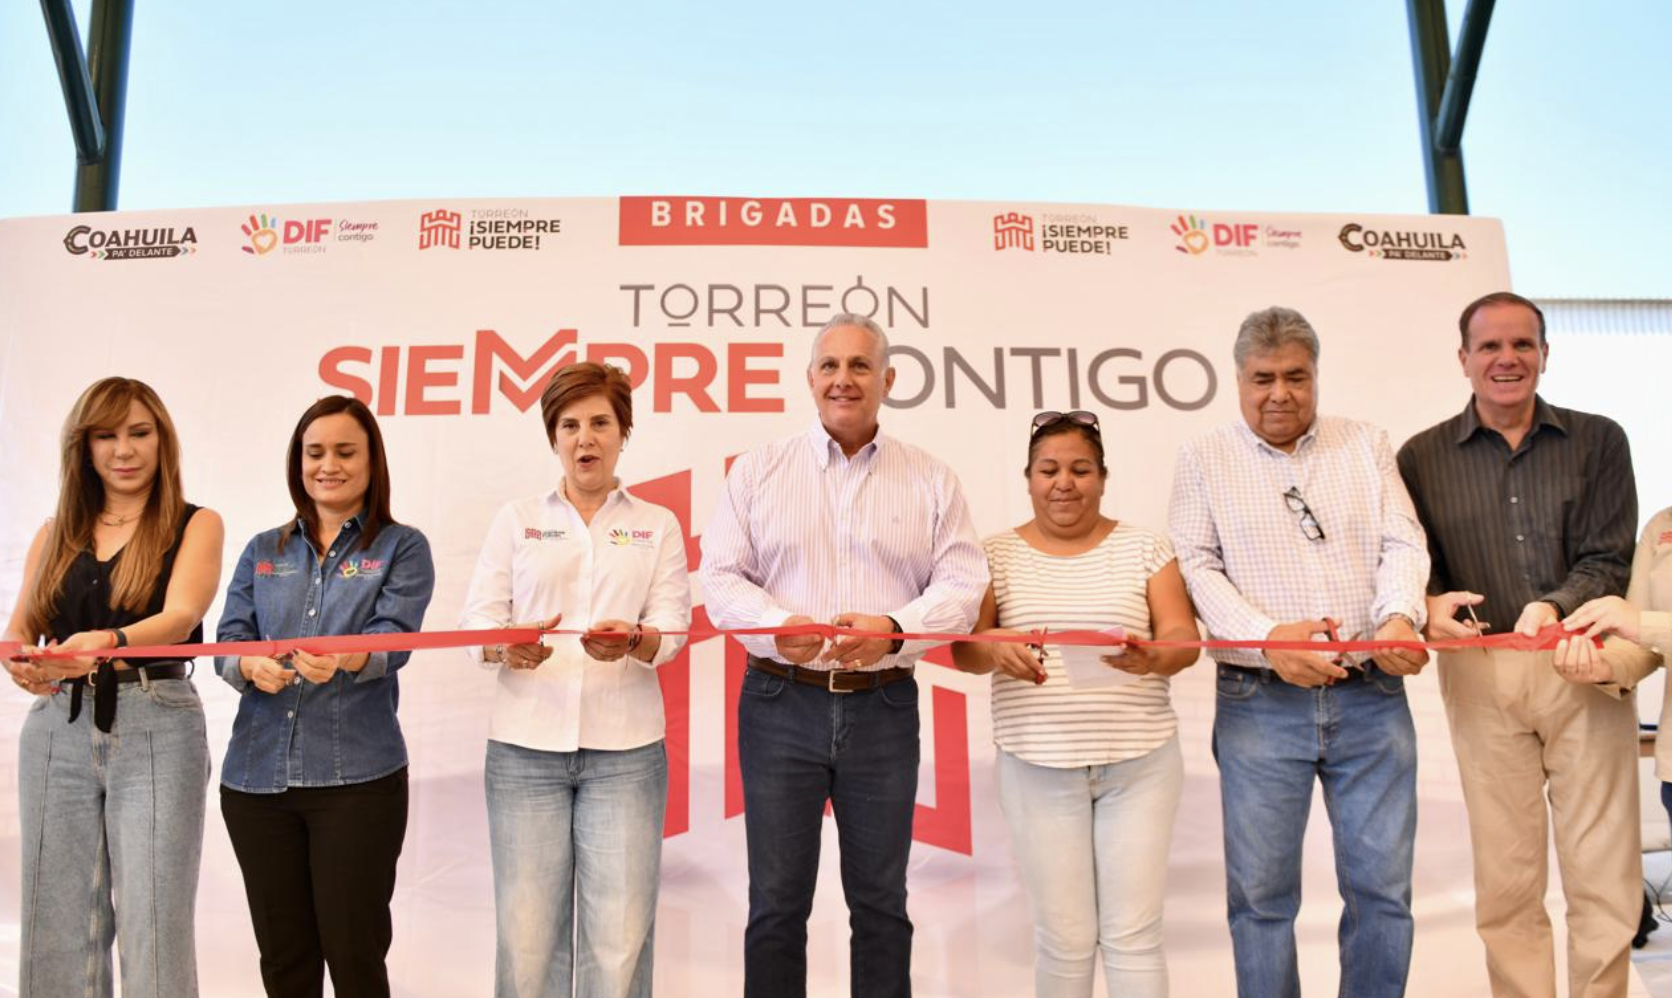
(112, 816)
(1271, 740)
(799, 746)
(576, 839)
(1092, 844)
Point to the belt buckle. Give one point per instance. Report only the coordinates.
(830, 682)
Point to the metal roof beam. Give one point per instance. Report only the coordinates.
(95, 93)
(65, 39)
(1443, 92)
(1460, 82)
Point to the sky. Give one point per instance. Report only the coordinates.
(1205, 106)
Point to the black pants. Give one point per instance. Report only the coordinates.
(319, 870)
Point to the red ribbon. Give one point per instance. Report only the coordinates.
(1545, 640)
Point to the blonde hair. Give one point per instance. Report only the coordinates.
(104, 406)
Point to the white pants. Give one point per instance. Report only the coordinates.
(1092, 846)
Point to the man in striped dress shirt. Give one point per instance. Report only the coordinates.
(1289, 526)
(1531, 510)
(846, 525)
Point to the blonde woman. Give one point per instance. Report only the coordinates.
(112, 792)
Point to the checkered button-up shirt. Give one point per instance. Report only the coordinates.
(1251, 563)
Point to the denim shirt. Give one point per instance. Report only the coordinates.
(343, 730)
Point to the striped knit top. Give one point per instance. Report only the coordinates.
(1055, 724)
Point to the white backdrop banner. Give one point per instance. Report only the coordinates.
(447, 316)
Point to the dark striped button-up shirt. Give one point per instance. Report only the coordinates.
(1553, 519)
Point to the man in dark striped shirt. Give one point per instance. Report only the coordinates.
(1531, 510)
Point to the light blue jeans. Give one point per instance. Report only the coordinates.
(1092, 846)
(112, 832)
(1273, 741)
(577, 853)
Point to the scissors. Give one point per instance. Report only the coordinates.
(1472, 618)
(1345, 659)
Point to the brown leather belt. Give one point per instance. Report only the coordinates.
(832, 680)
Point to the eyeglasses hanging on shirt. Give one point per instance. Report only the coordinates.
(1308, 523)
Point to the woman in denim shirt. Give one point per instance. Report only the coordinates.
(314, 786)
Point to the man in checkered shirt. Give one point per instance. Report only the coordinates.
(1293, 527)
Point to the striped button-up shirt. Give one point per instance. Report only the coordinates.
(1551, 520)
(1251, 563)
(802, 529)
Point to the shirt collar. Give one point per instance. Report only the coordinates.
(617, 493)
(825, 446)
(1258, 442)
(1544, 414)
(357, 522)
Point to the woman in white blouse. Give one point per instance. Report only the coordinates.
(576, 772)
(1089, 775)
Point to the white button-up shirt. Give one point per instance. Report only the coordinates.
(803, 529)
(539, 559)
(1248, 561)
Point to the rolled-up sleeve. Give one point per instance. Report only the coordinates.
(401, 602)
(952, 598)
(730, 567)
(487, 604)
(238, 618)
(1202, 562)
(1403, 570)
(667, 606)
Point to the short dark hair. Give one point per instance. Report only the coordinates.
(574, 382)
(1090, 433)
(376, 503)
(1497, 298)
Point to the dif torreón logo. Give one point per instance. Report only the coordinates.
(1197, 235)
(705, 221)
(264, 233)
(637, 538)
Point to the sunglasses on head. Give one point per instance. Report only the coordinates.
(1078, 417)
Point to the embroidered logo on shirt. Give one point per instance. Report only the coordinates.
(637, 538)
(370, 567)
(534, 534)
(271, 570)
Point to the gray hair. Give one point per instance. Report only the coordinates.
(1272, 329)
(859, 322)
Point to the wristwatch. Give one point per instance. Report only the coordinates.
(894, 649)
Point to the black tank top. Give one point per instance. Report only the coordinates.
(84, 599)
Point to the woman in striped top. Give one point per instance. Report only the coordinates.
(1089, 776)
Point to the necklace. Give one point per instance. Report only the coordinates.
(111, 520)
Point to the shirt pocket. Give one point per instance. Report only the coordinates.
(893, 531)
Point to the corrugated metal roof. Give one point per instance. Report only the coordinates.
(1607, 316)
